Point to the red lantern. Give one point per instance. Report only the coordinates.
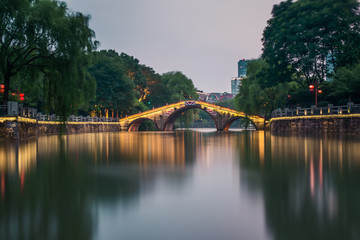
(320, 91)
(21, 96)
(311, 87)
(2, 86)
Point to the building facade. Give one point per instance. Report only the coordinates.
(242, 72)
(242, 67)
(235, 85)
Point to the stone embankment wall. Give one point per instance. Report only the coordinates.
(348, 124)
(14, 128)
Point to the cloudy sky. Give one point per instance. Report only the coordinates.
(204, 39)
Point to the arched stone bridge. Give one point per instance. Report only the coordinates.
(164, 117)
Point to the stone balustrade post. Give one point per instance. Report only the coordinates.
(313, 108)
(330, 106)
(349, 106)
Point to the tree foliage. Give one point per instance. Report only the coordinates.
(179, 87)
(346, 83)
(256, 95)
(126, 86)
(115, 91)
(303, 37)
(43, 38)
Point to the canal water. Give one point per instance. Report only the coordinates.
(180, 185)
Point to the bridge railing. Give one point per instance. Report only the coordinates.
(15, 109)
(350, 108)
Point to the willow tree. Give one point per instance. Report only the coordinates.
(46, 39)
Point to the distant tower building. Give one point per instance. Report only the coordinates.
(242, 70)
(242, 67)
(235, 85)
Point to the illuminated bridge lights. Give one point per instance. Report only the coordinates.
(221, 115)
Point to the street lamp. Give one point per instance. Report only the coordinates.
(315, 87)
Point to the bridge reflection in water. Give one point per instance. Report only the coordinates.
(164, 117)
(65, 186)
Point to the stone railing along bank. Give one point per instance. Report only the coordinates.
(349, 108)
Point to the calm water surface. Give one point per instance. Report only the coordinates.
(180, 185)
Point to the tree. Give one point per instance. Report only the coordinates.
(179, 86)
(115, 90)
(133, 71)
(46, 40)
(304, 37)
(155, 93)
(256, 94)
(346, 84)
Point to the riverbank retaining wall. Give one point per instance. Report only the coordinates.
(347, 124)
(17, 127)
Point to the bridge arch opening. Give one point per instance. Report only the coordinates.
(139, 124)
(242, 124)
(170, 121)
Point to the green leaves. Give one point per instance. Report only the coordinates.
(114, 89)
(346, 83)
(43, 36)
(179, 86)
(302, 37)
(257, 94)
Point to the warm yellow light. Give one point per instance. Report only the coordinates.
(316, 117)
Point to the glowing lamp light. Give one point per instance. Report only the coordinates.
(311, 87)
(2, 86)
(21, 98)
(320, 91)
(22, 95)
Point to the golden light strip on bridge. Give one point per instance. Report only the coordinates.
(152, 111)
(228, 110)
(222, 110)
(219, 109)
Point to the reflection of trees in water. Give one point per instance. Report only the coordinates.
(54, 203)
(310, 185)
(61, 186)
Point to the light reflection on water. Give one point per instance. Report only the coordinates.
(198, 184)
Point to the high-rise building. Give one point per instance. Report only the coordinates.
(235, 85)
(242, 71)
(242, 67)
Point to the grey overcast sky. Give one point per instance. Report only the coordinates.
(204, 39)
